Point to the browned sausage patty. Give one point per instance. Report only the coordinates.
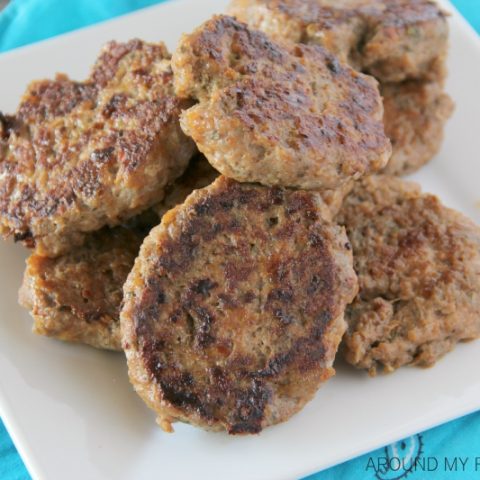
(77, 296)
(285, 115)
(234, 309)
(81, 155)
(393, 40)
(418, 265)
(415, 117)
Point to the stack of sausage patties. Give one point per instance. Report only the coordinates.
(231, 276)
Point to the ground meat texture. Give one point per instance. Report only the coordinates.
(78, 156)
(403, 43)
(415, 117)
(393, 40)
(281, 115)
(234, 310)
(199, 174)
(418, 266)
(77, 296)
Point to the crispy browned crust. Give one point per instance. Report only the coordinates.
(394, 40)
(285, 115)
(415, 116)
(418, 265)
(81, 155)
(234, 309)
(77, 296)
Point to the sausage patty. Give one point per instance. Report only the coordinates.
(418, 265)
(77, 296)
(281, 115)
(81, 155)
(393, 40)
(234, 309)
(401, 42)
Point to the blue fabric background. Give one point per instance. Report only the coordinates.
(449, 451)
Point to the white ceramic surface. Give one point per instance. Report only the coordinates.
(70, 409)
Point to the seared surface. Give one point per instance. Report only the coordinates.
(418, 265)
(286, 115)
(234, 310)
(77, 296)
(415, 116)
(393, 40)
(81, 155)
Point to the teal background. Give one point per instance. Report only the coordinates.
(26, 21)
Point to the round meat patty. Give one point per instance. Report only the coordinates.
(280, 115)
(418, 266)
(234, 309)
(393, 40)
(78, 156)
(403, 43)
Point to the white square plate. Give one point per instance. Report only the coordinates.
(71, 410)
